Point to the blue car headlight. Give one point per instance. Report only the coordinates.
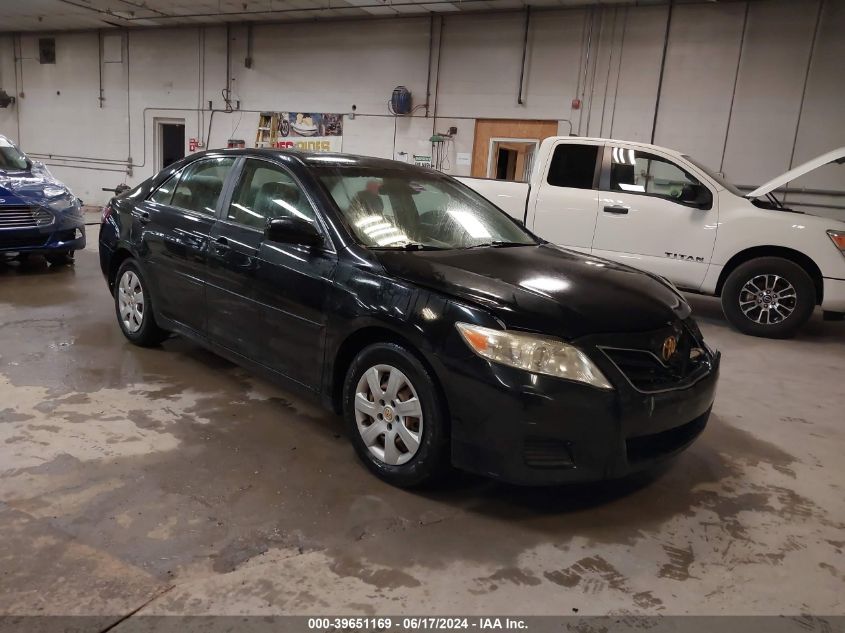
(63, 202)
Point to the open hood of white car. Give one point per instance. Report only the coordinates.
(833, 156)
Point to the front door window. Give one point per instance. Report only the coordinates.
(634, 171)
(266, 191)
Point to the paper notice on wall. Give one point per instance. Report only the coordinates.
(463, 159)
(307, 131)
(422, 160)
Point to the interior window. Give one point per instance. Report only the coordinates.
(201, 184)
(164, 194)
(573, 166)
(633, 171)
(267, 191)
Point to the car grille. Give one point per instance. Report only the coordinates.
(23, 217)
(13, 241)
(543, 452)
(648, 447)
(643, 366)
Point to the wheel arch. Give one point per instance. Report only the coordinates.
(119, 256)
(363, 337)
(797, 257)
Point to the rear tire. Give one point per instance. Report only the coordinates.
(770, 297)
(63, 258)
(395, 416)
(134, 307)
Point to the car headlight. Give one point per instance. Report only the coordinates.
(533, 353)
(838, 238)
(53, 191)
(61, 203)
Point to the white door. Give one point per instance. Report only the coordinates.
(655, 215)
(566, 203)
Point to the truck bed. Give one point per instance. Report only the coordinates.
(508, 196)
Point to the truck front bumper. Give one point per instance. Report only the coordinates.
(834, 295)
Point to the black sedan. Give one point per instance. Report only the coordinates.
(442, 330)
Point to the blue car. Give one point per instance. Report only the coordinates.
(38, 214)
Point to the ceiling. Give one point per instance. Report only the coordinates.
(66, 15)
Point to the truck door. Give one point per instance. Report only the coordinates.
(566, 203)
(656, 215)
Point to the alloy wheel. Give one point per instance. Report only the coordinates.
(768, 299)
(388, 414)
(130, 301)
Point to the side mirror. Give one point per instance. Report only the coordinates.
(288, 230)
(696, 195)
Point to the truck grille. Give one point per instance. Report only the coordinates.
(22, 217)
(648, 372)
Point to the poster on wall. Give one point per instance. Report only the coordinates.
(308, 131)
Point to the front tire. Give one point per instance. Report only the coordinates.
(770, 297)
(395, 417)
(63, 258)
(134, 307)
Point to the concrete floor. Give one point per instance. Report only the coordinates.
(170, 479)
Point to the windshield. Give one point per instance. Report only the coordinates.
(400, 208)
(719, 178)
(11, 158)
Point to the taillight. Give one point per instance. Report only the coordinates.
(107, 210)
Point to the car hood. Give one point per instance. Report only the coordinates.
(833, 156)
(35, 187)
(545, 288)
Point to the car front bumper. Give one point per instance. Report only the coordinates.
(533, 429)
(65, 233)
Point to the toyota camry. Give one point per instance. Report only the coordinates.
(443, 331)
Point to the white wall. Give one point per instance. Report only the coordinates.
(732, 101)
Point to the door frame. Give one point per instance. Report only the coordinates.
(502, 139)
(533, 129)
(158, 140)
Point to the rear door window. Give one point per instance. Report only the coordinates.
(164, 194)
(201, 184)
(573, 166)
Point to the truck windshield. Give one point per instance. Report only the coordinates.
(11, 158)
(719, 178)
(401, 208)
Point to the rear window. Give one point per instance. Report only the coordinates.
(573, 166)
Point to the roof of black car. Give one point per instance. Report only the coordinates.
(318, 158)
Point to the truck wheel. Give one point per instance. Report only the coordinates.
(395, 418)
(768, 296)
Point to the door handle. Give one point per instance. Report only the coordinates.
(143, 216)
(221, 245)
(616, 209)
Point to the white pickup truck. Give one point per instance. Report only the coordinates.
(660, 210)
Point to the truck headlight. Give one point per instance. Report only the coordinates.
(533, 353)
(838, 238)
